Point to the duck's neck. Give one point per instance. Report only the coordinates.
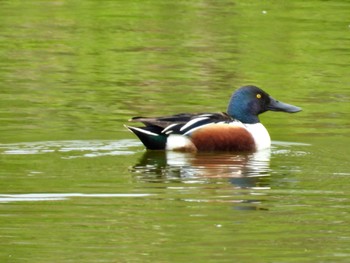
(243, 114)
(246, 118)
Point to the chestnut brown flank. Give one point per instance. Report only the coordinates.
(223, 137)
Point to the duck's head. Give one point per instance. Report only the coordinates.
(248, 102)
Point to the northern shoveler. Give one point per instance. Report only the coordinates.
(237, 130)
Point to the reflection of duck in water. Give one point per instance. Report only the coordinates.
(237, 130)
(243, 170)
(248, 174)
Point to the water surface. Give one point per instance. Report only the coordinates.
(76, 186)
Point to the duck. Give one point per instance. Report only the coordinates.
(236, 130)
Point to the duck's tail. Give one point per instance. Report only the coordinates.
(150, 136)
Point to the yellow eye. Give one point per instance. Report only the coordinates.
(258, 96)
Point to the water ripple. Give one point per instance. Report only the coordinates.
(6, 198)
(78, 148)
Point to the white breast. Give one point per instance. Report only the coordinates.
(260, 134)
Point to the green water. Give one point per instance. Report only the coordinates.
(76, 186)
